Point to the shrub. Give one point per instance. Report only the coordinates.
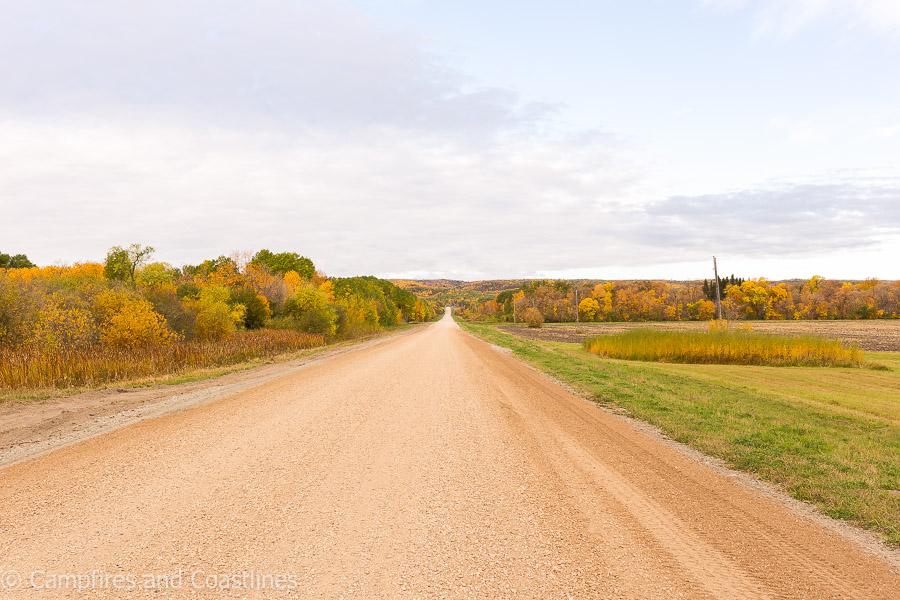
(311, 310)
(533, 317)
(216, 319)
(257, 307)
(129, 321)
(180, 316)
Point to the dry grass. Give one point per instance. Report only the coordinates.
(726, 346)
(37, 369)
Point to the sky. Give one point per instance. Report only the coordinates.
(466, 140)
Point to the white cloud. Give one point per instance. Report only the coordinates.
(237, 64)
(783, 218)
(788, 17)
(387, 200)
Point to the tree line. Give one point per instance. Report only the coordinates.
(130, 301)
(566, 300)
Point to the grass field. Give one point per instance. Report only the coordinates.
(830, 436)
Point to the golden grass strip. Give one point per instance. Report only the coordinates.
(37, 369)
(726, 347)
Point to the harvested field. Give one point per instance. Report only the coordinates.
(882, 336)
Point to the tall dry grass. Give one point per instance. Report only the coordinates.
(726, 346)
(36, 369)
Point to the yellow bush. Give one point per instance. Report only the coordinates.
(216, 320)
(56, 326)
(128, 321)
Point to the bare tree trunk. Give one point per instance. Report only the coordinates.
(718, 293)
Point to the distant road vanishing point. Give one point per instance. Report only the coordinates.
(429, 466)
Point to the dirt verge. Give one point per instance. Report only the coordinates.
(35, 427)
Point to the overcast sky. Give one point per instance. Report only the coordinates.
(469, 140)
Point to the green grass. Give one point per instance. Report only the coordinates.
(827, 436)
(725, 346)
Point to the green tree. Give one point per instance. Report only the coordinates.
(209, 266)
(282, 262)
(16, 261)
(122, 263)
(156, 275)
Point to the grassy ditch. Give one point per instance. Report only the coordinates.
(827, 436)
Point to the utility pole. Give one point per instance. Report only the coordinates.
(718, 292)
(576, 305)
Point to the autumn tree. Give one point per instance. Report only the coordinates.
(155, 275)
(210, 266)
(122, 263)
(588, 308)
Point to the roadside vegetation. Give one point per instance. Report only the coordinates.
(725, 345)
(827, 436)
(94, 366)
(91, 324)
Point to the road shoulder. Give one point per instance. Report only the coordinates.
(30, 429)
(869, 541)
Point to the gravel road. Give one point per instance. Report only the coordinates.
(428, 466)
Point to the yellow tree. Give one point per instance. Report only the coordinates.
(588, 309)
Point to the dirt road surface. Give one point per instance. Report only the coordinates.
(429, 466)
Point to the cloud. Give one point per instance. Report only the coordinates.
(381, 200)
(298, 64)
(812, 219)
(388, 202)
(788, 17)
